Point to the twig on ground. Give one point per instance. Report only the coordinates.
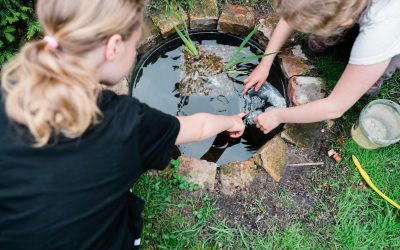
(305, 164)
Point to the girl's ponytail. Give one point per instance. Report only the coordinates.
(50, 92)
(49, 87)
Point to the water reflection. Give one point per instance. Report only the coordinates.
(157, 79)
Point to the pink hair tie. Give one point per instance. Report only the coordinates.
(51, 41)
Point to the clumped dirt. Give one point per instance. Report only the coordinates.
(196, 68)
(207, 63)
(266, 204)
(263, 9)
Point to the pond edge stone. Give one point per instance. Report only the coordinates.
(200, 172)
(204, 15)
(165, 22)
(273, 157)
(236, 175)
(237, 19)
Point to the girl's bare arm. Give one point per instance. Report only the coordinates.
(354, 82)
(201, 126)
(261, 72)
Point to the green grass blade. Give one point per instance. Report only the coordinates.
(185, 37)
(245, 59)
(188, 50)
(239, 72)
(189, 45)
(182, 20)
(181, 35)
(193, 49)
(244, 52)
(244, 42)
(180, 17)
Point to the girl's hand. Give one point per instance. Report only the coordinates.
(200, 126)
(267, 121)
(258, 76)
(238, 126)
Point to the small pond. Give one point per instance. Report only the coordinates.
(164, 79)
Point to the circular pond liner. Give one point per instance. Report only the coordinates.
(156, 78)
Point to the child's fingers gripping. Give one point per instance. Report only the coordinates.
(238, 126)
(261, 127)
(232, 135)
(248, 86)
(255, 119)
(235, 134)
(259, 84)
(246, 83)
(242, 114)
(238, 131)
(265, 131)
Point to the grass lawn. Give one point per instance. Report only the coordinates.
(362, 220)
(177, 219)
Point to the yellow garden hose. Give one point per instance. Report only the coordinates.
(369, 182)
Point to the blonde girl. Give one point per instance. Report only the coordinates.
(374, 56)
(69, 153)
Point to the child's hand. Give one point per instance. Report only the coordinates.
(258, 76)
(267, 121)
(238, 126)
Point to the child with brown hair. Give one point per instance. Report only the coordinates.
(374, 57)
(69, 152)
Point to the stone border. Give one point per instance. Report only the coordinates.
(273, 156)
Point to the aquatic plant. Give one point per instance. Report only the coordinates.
(235, 61)
(190, 47)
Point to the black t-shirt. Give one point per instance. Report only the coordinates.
(74, 194)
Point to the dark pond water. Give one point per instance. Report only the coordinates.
(156, 80)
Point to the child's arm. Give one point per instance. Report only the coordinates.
(261, 72)
(201, 126)
(354, 82)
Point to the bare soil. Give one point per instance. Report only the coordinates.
(305, 194)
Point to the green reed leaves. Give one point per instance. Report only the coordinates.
(234, 60)
(190, 47)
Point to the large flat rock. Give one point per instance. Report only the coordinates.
(236, 176)
(204, 14)
(273, 157)
(237, 19)
(294, 62)
(302, 135)
(197, 171)
(266, 28)
(305, 89)
(165, 22)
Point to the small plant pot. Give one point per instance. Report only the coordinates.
(378, 125)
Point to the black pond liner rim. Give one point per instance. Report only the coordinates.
(214, 150)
